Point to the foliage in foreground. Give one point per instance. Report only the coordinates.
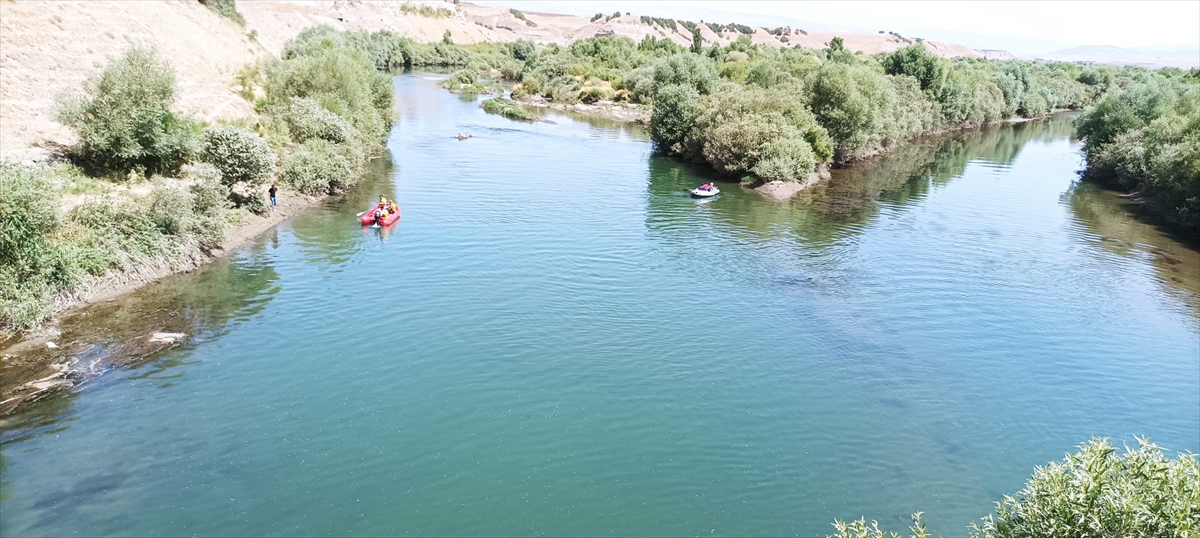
(1095, 492)
(124, 121)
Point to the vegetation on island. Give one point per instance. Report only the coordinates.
(763, 113)
(466, 81)
(506, 108)
(1143, 136)
(1096, 492)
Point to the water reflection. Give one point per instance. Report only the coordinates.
(324, 235)
(847, 202)
(117, 332)
(1119, 231)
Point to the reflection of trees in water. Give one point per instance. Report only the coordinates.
(845, 203)
(1120, 232)
(331, 234)
(116, 333)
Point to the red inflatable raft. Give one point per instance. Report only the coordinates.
(368, 218)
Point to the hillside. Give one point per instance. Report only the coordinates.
(47, 46)
(1106, 54)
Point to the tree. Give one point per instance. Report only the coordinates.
(240, 155)
(917, 62)
(686, 70)
(123, 117)
(697, 42)
(674, 107)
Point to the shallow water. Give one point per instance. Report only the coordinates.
(557, 340)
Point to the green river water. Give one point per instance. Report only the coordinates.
(557, 340)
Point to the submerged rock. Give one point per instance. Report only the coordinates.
(168, 338)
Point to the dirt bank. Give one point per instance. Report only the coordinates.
(781, 191)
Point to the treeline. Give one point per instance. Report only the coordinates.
(324, 111)
(1143, 135)
(763, 113)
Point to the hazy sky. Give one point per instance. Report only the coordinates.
(1021, 27)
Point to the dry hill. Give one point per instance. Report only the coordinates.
(47, 46)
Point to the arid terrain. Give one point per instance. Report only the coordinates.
(47, 47)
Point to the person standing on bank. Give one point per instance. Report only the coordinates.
(274, 201)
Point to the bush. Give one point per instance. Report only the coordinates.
(32, 269)
(307, 120)
(461, 77)
(506, 108)
(674, 108)
(686, 70)
(317, 166)
(1100, 492)
(123, 118)
(342, 81)
(240, 155)
(1095, 492)
(785, 159)
(227, 9)
(44, 253)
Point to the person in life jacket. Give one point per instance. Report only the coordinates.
(391, 207)
(382, 200)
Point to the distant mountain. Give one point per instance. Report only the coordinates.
(1158, 56)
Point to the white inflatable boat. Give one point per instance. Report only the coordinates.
(705, 194)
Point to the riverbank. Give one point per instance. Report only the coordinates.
(44, 361)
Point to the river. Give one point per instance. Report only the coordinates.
(556, 339)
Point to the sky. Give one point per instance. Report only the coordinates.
(1021, 27)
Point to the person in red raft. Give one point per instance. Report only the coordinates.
(386, 208)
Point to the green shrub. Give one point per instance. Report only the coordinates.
(307, 120)
(227, 9)
(460, 78)
(674, 108)
(917, 62)
(686, 70)
(506, 108)
(170, 208)
(44, 252)
(1100, 492)
(785, 159)
(344, 82)
(425, 10)
(32, 269)
(240, 155)
(640, 84)
(1096, 492)
(123, 118)
(317, 166)
(209, 196)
